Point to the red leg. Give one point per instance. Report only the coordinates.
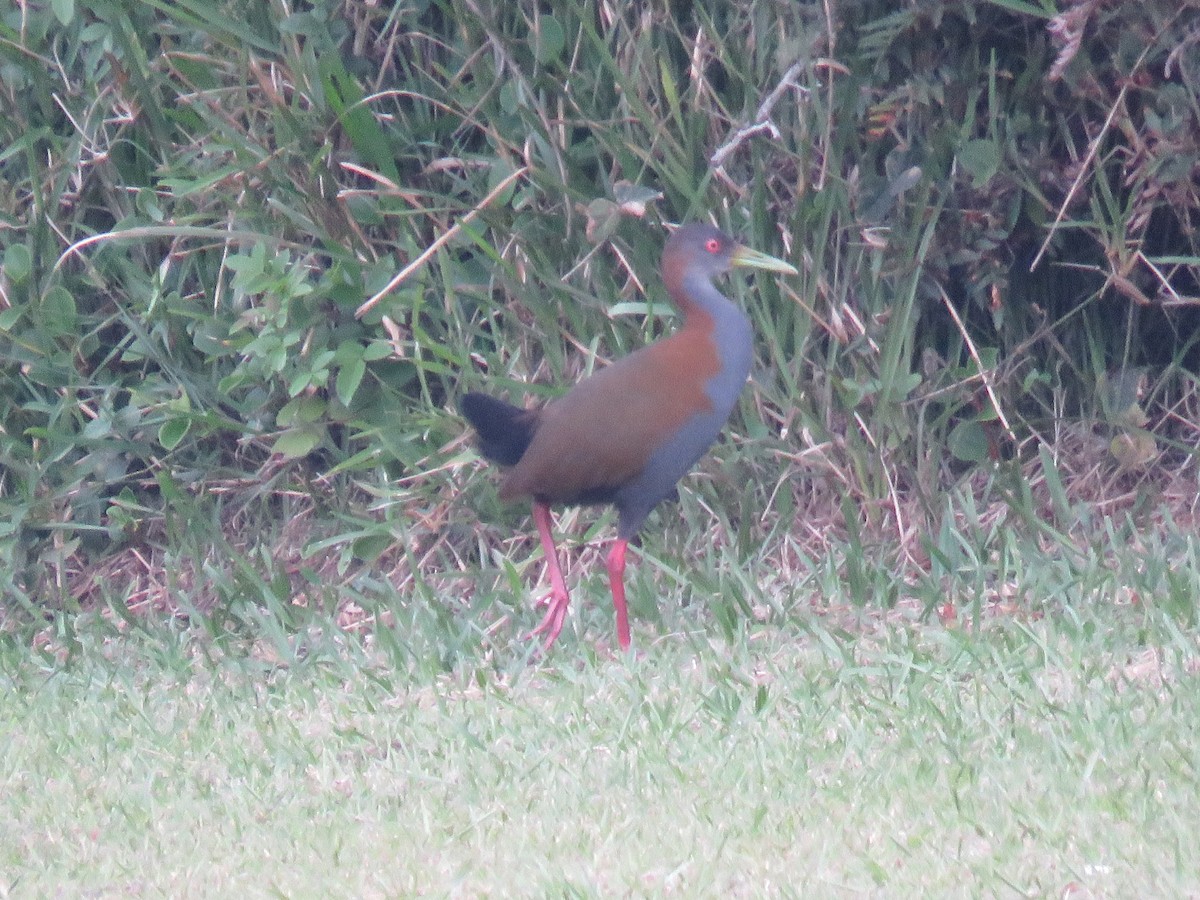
(559, 599)
(616, 581)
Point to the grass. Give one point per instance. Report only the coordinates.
(838, 752)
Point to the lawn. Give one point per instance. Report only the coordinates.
(1051, 756)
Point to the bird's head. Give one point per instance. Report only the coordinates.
(703, 250)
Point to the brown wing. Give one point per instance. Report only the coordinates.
(599, 436)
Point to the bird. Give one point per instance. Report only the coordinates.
(629, 432)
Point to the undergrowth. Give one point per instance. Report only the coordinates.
(220, 401)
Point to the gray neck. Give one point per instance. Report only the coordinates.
(734, 340)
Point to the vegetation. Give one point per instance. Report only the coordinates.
(1034, 758)
(251, 254)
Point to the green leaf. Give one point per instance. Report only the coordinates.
(18, 263)
(510, 96)
(169, 488)
(301, 411)
(640, 308)
(349, 102)
(1058, 493)
(549, 40)
(198, 183)
(370, 548)
(64, 10)
(58, 310)
(98, 428)
(670, 90)
(171, 432)
(969, 442)
(377, 350)
(603, 216)
(1024, 7)
(980, 159)
(346, 352)
(349, 377)
(633, 198)
(297, 442)
(1134, 449)
(10, 317)
(232, 382)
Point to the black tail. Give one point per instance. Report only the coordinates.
(504, 430)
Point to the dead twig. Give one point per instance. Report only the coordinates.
(439, 243)
(762, 120)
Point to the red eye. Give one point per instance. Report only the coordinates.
(712, 245)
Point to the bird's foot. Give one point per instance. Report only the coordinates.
(552, 623)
